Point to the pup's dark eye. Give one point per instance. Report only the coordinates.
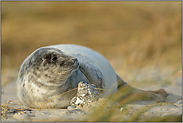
(54, 59)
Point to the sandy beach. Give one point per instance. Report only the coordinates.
(172, 106)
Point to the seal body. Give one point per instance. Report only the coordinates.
(50, 71)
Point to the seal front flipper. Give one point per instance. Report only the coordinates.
(93, 74)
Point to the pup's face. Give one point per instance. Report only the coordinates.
(51, 64)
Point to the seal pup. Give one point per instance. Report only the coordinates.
(52, 70)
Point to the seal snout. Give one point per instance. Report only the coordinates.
(76, 63)
(74, 59)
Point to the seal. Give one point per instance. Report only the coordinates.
(53, 70)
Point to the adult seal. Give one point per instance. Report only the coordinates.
(52, 70)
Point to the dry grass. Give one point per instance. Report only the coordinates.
(132, 35)
(119, 111)
(140, 32)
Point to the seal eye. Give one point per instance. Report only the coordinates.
(54, 58)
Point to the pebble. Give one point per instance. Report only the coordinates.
(71, 107)
(178, 102)
(122, 109)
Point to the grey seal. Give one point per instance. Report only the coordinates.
(53, 70)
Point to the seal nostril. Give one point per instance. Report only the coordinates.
(62, 63)
(75, 59)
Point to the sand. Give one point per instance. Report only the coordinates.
(172, 106)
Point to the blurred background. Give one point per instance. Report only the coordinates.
(142, 40)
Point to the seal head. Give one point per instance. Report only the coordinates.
(50, 63)
(43, 75)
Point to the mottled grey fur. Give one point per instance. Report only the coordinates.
(44, 75)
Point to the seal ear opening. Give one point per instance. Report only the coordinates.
(42, 59)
